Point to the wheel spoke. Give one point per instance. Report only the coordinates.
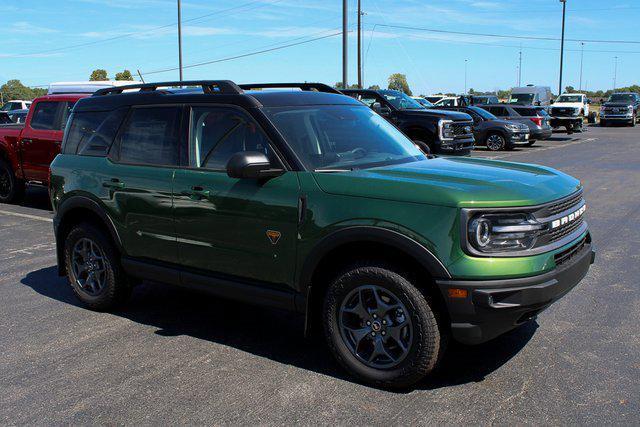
(359, 309)
(395, 333)
(380, 350)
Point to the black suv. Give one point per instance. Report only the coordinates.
(444, 132)
(620, 108)
(492, 132)
(537, 122)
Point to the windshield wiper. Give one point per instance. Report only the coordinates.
(333, 170)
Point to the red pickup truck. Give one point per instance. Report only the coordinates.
(27, 150)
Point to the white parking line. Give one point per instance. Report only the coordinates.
(541, 149)
(21, 215)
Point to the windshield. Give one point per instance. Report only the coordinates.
(521, 98)
(569, 98)
(327, 137)
(621, 97)
(401, 100)
(483, 113)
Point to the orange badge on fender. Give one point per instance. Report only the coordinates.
(273, 236)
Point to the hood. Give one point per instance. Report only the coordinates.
(443, 114)
(455, 182)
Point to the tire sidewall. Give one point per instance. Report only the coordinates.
(4, 165)
(425, 336)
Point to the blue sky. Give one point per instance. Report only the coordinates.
(56, 40)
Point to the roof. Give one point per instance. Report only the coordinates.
(62, 97)
(84, 87)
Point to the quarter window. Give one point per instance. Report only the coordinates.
(92, 133)
(151, 136)
(499, 111)
(219, 133)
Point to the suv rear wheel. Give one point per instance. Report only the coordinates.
(11, 188)
(380, 327)
(93, 268)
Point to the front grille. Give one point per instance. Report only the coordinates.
(565, 204)
(616, 110)
(564, 256)
(563, 112)
(463, 129)
(565, 230)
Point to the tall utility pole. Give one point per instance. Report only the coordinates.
(615, 73)
(359, 45)
(180, 38)
(581, 62)
(345, 56)
(520, 68)
(564, 11)
(465, 76)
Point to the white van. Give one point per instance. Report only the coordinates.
(531, 95)
(85, 87)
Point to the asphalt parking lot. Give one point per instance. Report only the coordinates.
(171, 356)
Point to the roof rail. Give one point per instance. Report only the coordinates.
(208, 86)
(318, 87)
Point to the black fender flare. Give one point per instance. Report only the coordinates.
(82, 202)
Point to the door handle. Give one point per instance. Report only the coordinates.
(197, 193)
(114, 183)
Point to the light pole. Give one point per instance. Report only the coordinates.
(465, 76)
(180, 39)
(359, 45)
(564, 10)
(345, 22)
(615, 73)
(520, 68)
(581, 62)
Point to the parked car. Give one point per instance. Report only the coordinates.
(449, 101)
(538, 122)
(484, 99)
(16, 105)
(444, 132)
(18, 116)
(423, 102)
(531, 95)
(27, 149)
(4, 118)
(309, 201)
(494, 133)
(434, 98)
(621, 107)
(569, 111)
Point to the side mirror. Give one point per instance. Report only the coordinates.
(382, 110)
(422, 146)
(588, 101)
(251, 165)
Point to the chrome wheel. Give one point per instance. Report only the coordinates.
(89, 267)
(375, 326)
(495, 142)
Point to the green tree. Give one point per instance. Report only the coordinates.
(14, 89)
(339, 86)
(399, 82)
(569, 89)
(374, 87)
(99, 75)
(125, 75)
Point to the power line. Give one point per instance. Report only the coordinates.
(258, 52)
(504, 36)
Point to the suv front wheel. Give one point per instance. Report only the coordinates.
(93, 268)
(380, 327)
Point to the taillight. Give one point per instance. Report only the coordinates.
(537, 120)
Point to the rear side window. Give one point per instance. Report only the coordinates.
(527, 112)
(151, 136)
(45, 116)
(499, 111)
(92, 133)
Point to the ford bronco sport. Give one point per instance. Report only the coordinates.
(309, 201)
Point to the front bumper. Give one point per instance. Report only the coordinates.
(493, 307)
(620, 117)
(518, 138)
(460, 146)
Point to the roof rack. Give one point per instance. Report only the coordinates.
(318, 87)
(208, 86)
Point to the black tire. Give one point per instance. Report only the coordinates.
(116, 285)
(422, 353)
(530, 143)
(495, 142)
(11, 188)
(603, 123)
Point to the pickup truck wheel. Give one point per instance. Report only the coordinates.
(93, 268)
(380, 327)
(11, 188)
(495, 142)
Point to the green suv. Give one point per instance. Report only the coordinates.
(304, 199)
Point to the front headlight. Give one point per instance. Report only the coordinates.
(516, 127)
(492, 233)
(446, 130)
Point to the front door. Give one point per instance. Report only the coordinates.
(234, 227)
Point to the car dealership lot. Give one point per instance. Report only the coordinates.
(174, 356)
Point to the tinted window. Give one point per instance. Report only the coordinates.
(92, 133)
(522, 98)
(45, 116)
(526, 112)
(499, 111)
(482, 113)
(151, 136)
(219, 133)
(401, 100)
(342, 136)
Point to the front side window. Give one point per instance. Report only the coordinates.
(151, 136)
(219, 133)
(342, 137)
(401, 100)
(45, 116)
(482, 113)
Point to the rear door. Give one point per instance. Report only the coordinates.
(42, 131)
(228, 226)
